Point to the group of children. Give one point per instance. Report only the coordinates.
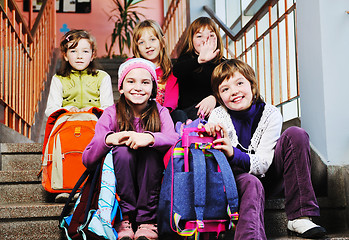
(139, 128)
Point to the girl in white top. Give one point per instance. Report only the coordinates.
(264, 163)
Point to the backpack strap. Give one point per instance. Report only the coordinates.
(66, 208)
(81, 180)
(199, 170)
(92, 188)
(228, 179)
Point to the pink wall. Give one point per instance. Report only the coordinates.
(97, 21)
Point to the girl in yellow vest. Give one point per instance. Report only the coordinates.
(78, 85)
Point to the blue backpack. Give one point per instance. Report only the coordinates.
(198, 188)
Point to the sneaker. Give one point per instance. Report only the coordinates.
(124, 230)
(305, 228)
(76, 196)
(147, 232)
(62, 197)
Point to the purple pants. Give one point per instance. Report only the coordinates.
(138, 174)
(289, 175)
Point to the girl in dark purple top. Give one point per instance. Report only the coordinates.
(139, 131)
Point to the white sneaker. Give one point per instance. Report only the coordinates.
(76, 196)
(304, 227)
(62, 197)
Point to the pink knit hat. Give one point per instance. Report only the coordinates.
(133, 63)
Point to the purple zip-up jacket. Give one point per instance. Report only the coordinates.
(107, 124)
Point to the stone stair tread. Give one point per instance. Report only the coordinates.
(32, 229)
(33, 148)
(30, 210)
(279, 203)
(338, 236)
(19, 176)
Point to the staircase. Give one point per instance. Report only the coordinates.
(111, 66)
(28, 212)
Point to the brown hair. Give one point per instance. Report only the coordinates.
(75, 36)
(164, 59)
(196, 26)
(150, 118)
(226, 70)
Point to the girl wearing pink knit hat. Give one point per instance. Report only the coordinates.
(140, 131)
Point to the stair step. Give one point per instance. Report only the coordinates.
(30, 221)
(111, 66)
(19, 176)
(30, 210)
(8, 148)
(31, 229)
(21, 162)
(23, 193)
(328, 237)
(110, 63)
(19, 156)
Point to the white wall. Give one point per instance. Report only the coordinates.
(197, 10)
(323, 60)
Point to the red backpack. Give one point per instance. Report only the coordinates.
(66, 136)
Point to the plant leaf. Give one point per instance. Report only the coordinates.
(125, 15)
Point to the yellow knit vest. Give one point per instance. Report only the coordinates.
(82, 90)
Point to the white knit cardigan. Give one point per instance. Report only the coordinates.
(261, 148)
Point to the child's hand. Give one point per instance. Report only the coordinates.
(118, 138)
(131, 139)
(223, 143)
(74, 109)
(211, 129)
(137, 140)
(85, 109)
(180, 126)
(206, 106)
(208, 50)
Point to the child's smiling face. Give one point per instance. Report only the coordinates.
(236, 92)
(149, 46)
(80, 56)
(137, 87)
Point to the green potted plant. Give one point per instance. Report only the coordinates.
(125, 17)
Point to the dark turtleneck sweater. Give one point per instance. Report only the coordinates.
(245, 124)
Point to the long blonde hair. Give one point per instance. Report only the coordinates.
(164, 58)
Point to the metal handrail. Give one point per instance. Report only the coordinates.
(219, 22)
(25, 57)
(275, 92)
(176, 21)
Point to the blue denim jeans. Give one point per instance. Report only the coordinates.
(289, 175)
